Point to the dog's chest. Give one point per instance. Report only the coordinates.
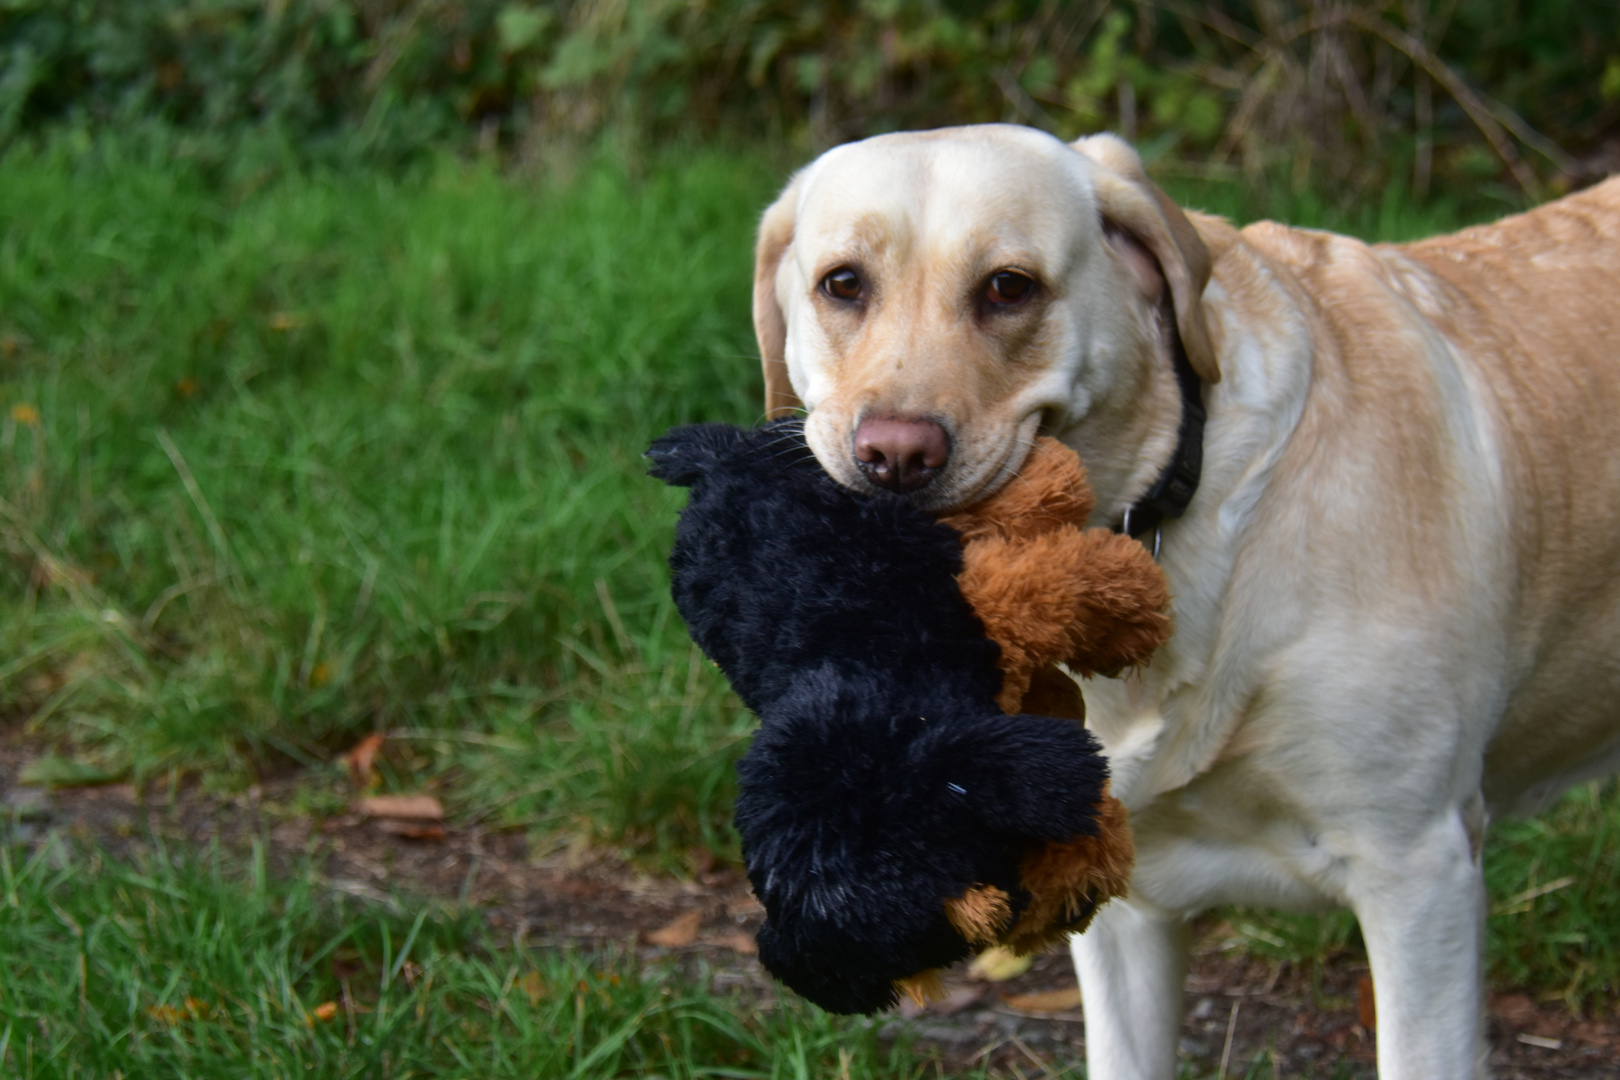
(1234, 836)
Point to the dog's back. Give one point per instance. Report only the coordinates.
(1469, 386)
(1540, 320)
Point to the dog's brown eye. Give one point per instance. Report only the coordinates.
(842, 284)
(1009, 287)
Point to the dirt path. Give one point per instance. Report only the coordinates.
(1238, 1009)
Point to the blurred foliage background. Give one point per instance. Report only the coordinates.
(1340, 96)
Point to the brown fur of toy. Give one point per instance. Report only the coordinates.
(1052, 693)
(980, 915)
(923, 987)
(1050, 591)
(1068, 881)
(1049, 492)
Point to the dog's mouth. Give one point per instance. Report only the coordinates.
(976, 466)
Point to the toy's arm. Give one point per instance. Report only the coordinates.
(1093, 600)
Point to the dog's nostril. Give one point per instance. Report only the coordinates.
(901, 454)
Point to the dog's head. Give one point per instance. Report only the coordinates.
(935, 299)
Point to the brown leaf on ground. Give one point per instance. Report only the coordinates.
(412, 830)
(1050, 1001)
(709, 869)
(361, 757)
(408, 807)
(166, 1014)
(957, 1000)
(1366, 1003)
(737, 942)
(324, 1012)
(1593, 1033)
(1514, 1010)
(193, 1009)
(682, 930)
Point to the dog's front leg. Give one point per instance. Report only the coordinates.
(1132, 964)
(1422, 916)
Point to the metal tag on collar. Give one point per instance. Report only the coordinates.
(1158, 532)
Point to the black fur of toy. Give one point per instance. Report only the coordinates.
(884, 778)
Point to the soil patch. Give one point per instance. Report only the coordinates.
(1240, 1011)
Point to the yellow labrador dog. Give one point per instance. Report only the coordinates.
(1397, 581)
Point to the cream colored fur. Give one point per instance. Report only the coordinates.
(1397, 592)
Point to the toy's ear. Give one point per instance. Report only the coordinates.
(770, 323)
(683, 455)
(1133, 204)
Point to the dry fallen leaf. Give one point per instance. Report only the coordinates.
(737, 942)
(999, 964)
(679, 931)
(1592, 1033)
(166, 1014)
(361, 757)
(957, 1000)
(1051, 1001)
(409, 807)
(324, 1012)
(193, 1009)
(1366, 1003)
(412, 830)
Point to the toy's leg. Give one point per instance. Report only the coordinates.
(1422, 915)
(1132, 963)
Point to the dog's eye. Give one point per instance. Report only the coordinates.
(842, 284)
(1009, 287)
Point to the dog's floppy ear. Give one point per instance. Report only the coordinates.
(1133, 203)
(770, 323)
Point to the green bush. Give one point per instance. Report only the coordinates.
(1350, 95)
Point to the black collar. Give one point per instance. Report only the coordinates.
(1170, 494)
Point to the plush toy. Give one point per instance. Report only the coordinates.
(899, 808)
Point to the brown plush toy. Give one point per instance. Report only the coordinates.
(1050, 591)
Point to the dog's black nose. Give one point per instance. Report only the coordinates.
(899, 453)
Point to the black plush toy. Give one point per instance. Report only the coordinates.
(892, 815)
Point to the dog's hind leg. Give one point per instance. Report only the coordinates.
(1132, 964)
(1422, 915)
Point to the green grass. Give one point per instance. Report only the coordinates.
(350, 452)
(183, 966)
(289, 459)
